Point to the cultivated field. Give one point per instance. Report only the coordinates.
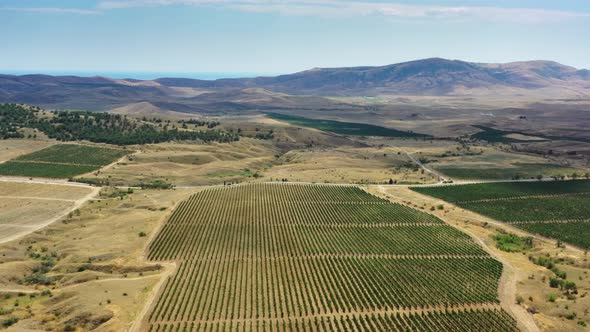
(305, 257)
(525, 289)
(489, 163)
(556, 209)
(61, 161)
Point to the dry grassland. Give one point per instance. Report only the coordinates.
(25, 207)
(186, 164)
(99, 277)
(348, 165)
(12, 148)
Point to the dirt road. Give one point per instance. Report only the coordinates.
(30, 228)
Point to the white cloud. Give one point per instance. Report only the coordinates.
(337, 8)
(53, 10)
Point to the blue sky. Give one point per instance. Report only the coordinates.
(282, 36)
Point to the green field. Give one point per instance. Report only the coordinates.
(343, 128)
(291, 257)
(75, 154)
(500, 136)
(44, 170)
(576, 233)
(517, 171)
(61, 161)
(555, 209)
(487, 191)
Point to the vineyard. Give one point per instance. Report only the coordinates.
(311, 257)
(555, 209)
(75, 154)
(61, 161)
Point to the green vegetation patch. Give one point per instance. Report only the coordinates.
(517, 171)
(344, 128)
(46, 170)
(99, 127)
(513, 243)
(501, 136)
(75, 154)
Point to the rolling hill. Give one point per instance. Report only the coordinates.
(428, 77)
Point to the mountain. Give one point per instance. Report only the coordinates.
(428, 77)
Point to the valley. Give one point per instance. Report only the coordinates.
(270, 210)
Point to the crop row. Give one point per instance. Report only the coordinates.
(458, 321)
(260, 240)
(277, 192)
(534, 209)
(245, 289)
(282, 251)
(482, 191)
(206, 228)
(576, 233)
(537, 207)
(47, 170)
(75, 154)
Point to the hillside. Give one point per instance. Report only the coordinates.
(429, 77)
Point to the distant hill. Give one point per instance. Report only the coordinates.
(429, 77)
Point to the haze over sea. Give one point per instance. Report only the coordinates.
(140, 75)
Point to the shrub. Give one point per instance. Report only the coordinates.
(9, 321)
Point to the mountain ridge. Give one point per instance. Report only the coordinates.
(426, 77)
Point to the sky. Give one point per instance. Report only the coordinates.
(283, 36)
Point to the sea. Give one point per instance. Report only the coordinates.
(143, 75)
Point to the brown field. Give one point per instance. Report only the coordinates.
(186, 164)
(12, 148)
(26, 207)
(348, 165)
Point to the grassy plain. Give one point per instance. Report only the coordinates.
(348, 165)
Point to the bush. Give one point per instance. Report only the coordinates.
(157, 184)
(551, 297)
(38, 279)
(513, 243)
(555, 283)
(9, 321)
